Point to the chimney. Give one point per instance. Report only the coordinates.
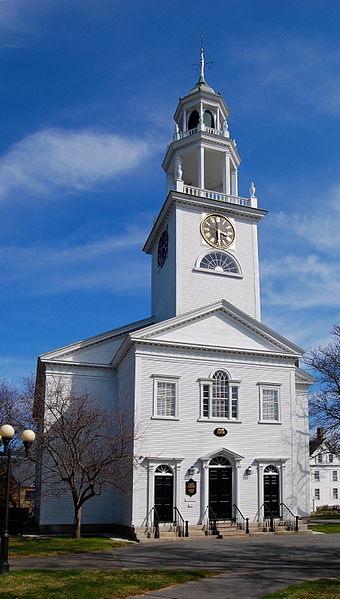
(320, 434)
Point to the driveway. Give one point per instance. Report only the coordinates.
(251, 567)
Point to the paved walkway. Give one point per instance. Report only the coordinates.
(251, 567)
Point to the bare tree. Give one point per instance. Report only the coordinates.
(82, 447)
(325, 402)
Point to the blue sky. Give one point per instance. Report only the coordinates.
(88, 90)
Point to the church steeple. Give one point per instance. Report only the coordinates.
(202, 156)
(204, 241)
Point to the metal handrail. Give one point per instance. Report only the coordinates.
(245, 520)
(182, 530)
(295, 518)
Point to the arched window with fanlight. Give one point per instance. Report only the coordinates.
(219, 397)
(219, 262)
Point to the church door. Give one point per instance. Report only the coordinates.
(220, 489)
(271, 492)
(164, 490)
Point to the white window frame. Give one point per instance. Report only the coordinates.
(157, 378)
(269, 387)
(317, 494)
(317, 475)
(334, 476)
(209, 383)
(335, 493)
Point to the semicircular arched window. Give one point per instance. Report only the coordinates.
(219, 460)
(163, 469)
(219, 262)
(270, 470)
(194, 119)
(208, 119)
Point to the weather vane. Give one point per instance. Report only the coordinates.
(202, 62)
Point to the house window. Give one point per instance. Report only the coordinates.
(319, 458)
(334, 475)
(269, 404)
(316, 493)
(330, 458)
(316, 474)
(335, 493)
(165, 397)
(219, 397)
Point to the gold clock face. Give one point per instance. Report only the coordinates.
(217, 231)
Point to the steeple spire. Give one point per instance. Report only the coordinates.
(201, 79)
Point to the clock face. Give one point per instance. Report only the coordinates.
(162, 248)
(217, 231)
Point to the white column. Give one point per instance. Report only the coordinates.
(217, 123)
(234, 182)
(204, 490)
(150, 502)
(236, 484)
(201, 123)
(200, 167)
(260, 486)
(184, 120)
(177, 485)
(226, 175)
(282, 485)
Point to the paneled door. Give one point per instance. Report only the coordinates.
(164, 490)
(220, 493)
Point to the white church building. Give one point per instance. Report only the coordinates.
(218, 395)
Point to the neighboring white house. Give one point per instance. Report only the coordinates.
(217, 394)
(325, 473)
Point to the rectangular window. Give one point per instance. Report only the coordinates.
(330, 458)
(335, 493)
(316, 493)
(165, 404)
(334, 475)
(269, 403)
(316, 474)
(320, 458)
(219, 400)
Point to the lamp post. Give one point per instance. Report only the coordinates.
(6, 435)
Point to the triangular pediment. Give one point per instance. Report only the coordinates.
(225, 453)
(221, 326)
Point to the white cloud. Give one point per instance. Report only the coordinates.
(300, 281)
(58, 160)
(113, 264)
(302, 71)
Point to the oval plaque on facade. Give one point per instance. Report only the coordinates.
(220, 432)
(191, 487)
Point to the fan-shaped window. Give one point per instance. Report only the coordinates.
(163, 469)
(270, 470)
(194, 119)
(219, 460)
(208, 119)
(219, 262)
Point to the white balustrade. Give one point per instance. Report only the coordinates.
(215, 195)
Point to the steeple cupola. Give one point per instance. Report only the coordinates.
(202, 156)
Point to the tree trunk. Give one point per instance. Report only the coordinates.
(77, 522)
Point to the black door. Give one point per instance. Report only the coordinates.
(271, 494)
(220, 491)
(164, 498)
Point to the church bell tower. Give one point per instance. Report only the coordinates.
(204, 241)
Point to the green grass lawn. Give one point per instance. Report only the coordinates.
(91, 584)
(43, 546)
(327, 528)
(316, 589)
